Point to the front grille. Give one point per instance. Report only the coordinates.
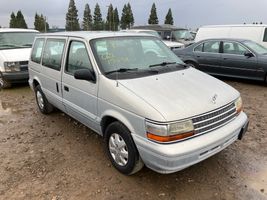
(214, 119)
(23, 65)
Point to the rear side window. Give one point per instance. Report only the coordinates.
(52, 55)
(37, 50)
(211, 47)
(77, 58)
(265, 35)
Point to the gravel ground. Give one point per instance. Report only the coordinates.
(54, 157)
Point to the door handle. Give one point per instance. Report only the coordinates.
(225, 58)
(57, 87)
(66, 88)
(198, 56)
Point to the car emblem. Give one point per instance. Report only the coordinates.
(214, 98)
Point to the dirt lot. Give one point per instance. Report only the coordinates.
(54, 157)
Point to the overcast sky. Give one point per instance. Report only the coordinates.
(186, 13)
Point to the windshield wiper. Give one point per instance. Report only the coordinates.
(121, 70)
(27, 45)
(8, 45)
(162, 64)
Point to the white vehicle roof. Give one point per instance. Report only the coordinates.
(3, 30)
(89, 35)
(235, 25)
(138, 30)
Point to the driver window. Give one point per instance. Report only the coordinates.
(77, 57)
(233, 48)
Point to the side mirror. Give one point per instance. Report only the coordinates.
(85, 74)
(248, 54)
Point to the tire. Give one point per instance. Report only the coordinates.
(4, 83)
(44, 106)
(192, 64)
(121, 149)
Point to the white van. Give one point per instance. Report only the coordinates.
(256, 33)
(15, 48)
(150, 108)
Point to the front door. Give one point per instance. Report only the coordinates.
(235, 63)
(79, 96)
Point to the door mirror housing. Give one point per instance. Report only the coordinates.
(248, 54)
(85, 74)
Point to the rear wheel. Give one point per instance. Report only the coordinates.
(121, 149)
(44, 106)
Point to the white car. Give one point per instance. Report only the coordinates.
(15, 48)
(171, 44)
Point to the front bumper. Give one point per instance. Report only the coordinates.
(169, 158)
(16, 77)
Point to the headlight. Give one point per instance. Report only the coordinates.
(12, 66)
(239, 105)
(170, 132)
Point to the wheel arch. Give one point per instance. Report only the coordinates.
(112, 116)
(35, 82)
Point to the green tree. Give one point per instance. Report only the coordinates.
(153, 18)
(169, 18)
(87, 19)
(110, 18)
(40, 23)
(72, 21)
(20, 20)
(98, 22)
(12, 23)
(116, 19)
(127, 18)
(123, 17)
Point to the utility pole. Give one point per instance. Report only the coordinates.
(45, 24)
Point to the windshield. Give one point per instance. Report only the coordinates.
(256, 47)
(14, 40)
(182, 34)
(133, 55)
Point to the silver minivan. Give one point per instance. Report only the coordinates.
(150, 108)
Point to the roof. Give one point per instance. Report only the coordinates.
(158, 27)
(228, 39)
(235, 25)
(17, 30)
(138, 30)
(88, 35)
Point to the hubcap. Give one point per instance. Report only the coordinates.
(118, 149)
(40, 99)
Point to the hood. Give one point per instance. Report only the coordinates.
(173, 44)
(181, 94)
(13, 55)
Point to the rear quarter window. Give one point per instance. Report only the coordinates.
(37, 50)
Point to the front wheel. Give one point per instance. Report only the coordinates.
(4, 83)
(121, 149)
(44, 106)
